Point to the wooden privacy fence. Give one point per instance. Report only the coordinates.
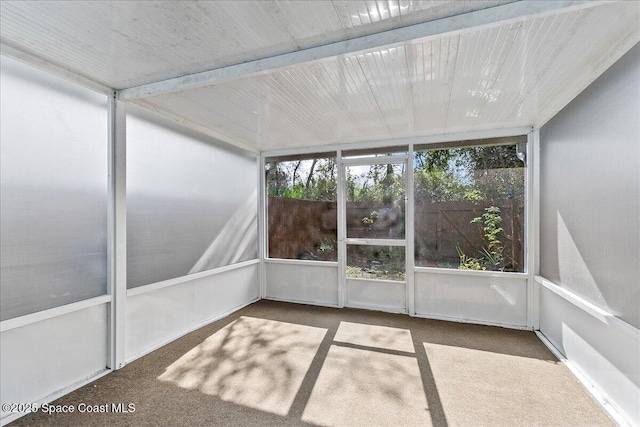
(307, 229)
(298, 228)
(444, 226)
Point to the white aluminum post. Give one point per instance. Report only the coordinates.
(409, 234)
(117, 231)
(342, 231)
(262, 226)
(532, 234)
(534, 237)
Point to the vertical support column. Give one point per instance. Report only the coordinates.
(342, 232)
(409, 234)
(117, 235)
(532, 237)
(262, 226)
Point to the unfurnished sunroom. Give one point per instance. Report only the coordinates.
(190, 191)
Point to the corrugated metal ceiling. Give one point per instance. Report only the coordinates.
(515, 73)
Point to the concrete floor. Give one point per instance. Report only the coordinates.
(280, 364)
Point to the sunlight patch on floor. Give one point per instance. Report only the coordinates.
(252, 362)
(375, 336)
(364, 388)
(479, 387)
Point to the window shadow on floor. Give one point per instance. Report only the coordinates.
(275, 363)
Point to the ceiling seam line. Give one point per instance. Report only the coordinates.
(413, 106)
(489, 87)
(453, 78)
(344, 30)
(557, 53)
(375, 98)
(286, 29)
(499, 73)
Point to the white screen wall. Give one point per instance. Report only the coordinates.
(53, 191)
(191, 203)
(590, 193)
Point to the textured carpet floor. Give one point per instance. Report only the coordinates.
(279, 364)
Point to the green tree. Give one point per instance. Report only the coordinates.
(302, 179)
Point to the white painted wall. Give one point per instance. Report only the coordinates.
(46, 359)
(590, 192)
(302, 281)
(157, 315)
(477, 297)
(604, 350)
(382, 295)
(590, 235)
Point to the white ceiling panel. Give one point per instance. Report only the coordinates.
(122, 44)
(515, 74)
(500, 69)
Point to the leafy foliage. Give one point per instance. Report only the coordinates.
(375, 262)
(302, 179)
(492, 173)
(380, 183)
(493, 257)
(469, 263)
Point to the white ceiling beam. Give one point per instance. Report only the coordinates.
(472, 21)
(404, 142)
